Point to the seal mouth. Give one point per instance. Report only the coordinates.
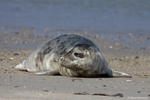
(72, 67)
(75, 68)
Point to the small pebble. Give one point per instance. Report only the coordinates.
(45, 90)
(16, 54)
(110, 47)
(16, 33)
(1, 59)
(136, 57)
(148, 38)
(121, 59)
(16, 86)
(126, 57)
(138, 91)
(81, 93)
(119, 94)
(128, 80)
(11, 58)
(117, 44)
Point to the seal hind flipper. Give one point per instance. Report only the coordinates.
(121, 74)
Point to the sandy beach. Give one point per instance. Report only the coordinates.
(119, 27)
(16, 45)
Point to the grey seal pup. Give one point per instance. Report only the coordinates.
(68, 55)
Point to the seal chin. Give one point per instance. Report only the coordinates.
(75, 68)
(67, 72)
(76, 72)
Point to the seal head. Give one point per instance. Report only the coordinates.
(84, 59)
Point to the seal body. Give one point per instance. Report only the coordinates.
(68, 55)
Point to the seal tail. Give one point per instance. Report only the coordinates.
(118, 74)
(21, 66)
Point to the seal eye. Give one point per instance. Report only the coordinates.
(80, 55)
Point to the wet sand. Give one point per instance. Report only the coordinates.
(17, 44)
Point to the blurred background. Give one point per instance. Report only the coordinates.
(94, 15)
(123, 21)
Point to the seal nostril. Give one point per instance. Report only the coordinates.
(80, 55)
(61, 58)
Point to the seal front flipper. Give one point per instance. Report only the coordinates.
(21, 66)
(46, 72)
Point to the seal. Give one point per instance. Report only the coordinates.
(68, 55)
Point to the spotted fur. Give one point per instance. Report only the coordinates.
(68, 55)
